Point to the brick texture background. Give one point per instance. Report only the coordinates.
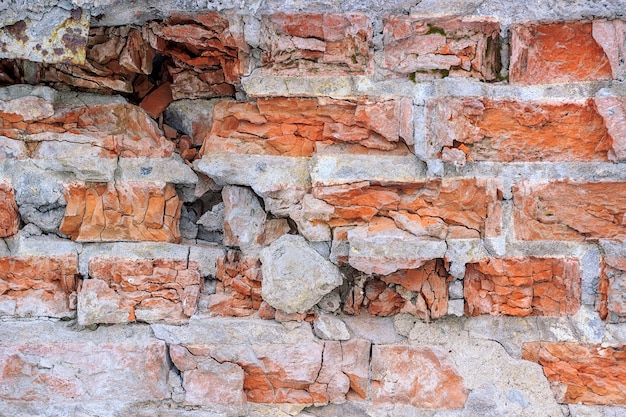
(322, 210)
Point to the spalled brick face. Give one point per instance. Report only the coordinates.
(557, 52)
(522, 287)
(612, 289)
(125, 290)
(427, 47)
(239, 291)
(317, 43)
(38, 285)
(295, 126)
(422, 292)
(568, 210)
(449, 208)
(9, 215)
(422, 377)
(587, 374)
(484, 129)
(122, 211)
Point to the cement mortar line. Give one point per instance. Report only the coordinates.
(258, 84)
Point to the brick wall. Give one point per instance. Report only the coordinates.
(314, 211)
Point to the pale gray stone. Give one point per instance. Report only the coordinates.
(456, 307)
(183, 114)
(244, 218)
(403, 323)
(232, 331)
(330, 303)
(213, 221)
(378, 330)
(206, 255)
(330, 327)
(172, 170)
(295, 276)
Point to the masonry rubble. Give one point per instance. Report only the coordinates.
(271, 208)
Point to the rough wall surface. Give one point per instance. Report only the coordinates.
(325, 208)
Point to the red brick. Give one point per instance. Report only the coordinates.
(121, 211)
(419, 376)
(82, 371)
(612, 289)
(38, 285)
(569, 210)
(432, 47)
(9, 214)
(504, 130)
(452, 208)
(316, 44)
(582, 374)
(522, 287)
(157, 101)
(294, 126)
(239, 291)
(558, 52)
(123, 290)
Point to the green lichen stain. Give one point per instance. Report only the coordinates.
(432, 29)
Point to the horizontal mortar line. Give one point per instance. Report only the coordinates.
(258, 85)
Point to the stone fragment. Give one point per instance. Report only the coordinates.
(558, 52)
(21, 103)
(427, 47)
(613, 111)
(238, 292)
(9, 214)
(125, 290)
(610, 35)
(422, 377)
(32, 286)
(581, 373)
(292, 126)
(191, 117)
(611, 289)
(382, 248)
(569, 210)
(312, 43)
(61, 39)
(295, 276)
(523, 287)
(47, 363)
(504, 130)
(213, 221)
(244, 218)
(329, 327)
(121, 211)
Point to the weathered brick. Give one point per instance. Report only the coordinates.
(208, 55)
(38, 285)
(505, 130)
(557, 52)
(419, 376)
(582, 374)
(316, 43)
(303, 373)
(422, 292)
(612, 289)
(569, 210)
(294, 126)
(113, 129)
(438, 208)
(121, 211)
(427, 47)
(239, 291)
(9, 214)
(610, 35)
(522, 287)
(82, 371)
(149, 290)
